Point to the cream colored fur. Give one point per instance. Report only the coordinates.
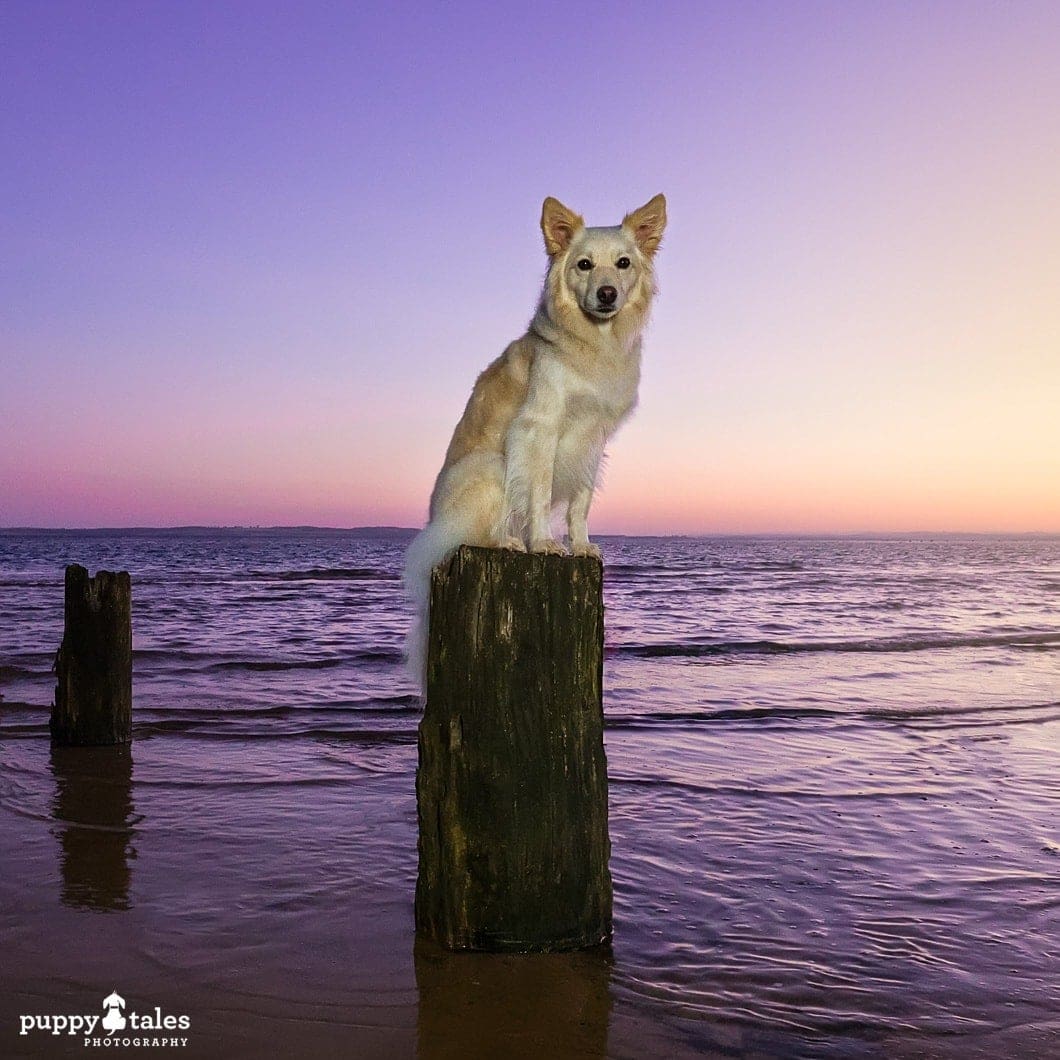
(533, 433)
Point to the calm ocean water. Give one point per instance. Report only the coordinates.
(835, 788)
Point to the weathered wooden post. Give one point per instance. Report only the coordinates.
(512, 780)
(93, 693)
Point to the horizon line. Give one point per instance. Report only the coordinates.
(400, 530)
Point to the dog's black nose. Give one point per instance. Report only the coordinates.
(606, 295)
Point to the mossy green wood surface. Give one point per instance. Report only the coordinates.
(512, 779)
(93, 694)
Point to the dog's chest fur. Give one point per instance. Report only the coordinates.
(596, 397)
(599, 389)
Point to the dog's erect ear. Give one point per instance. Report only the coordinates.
(647, 224)
(558, 226)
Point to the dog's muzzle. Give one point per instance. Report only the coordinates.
(604, 303)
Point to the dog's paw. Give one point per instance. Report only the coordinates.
(512, 544)
(548, 546)
(586, 548)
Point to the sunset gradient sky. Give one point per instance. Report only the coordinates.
(255, 254)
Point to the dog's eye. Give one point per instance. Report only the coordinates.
(623, 263)
(585, 264)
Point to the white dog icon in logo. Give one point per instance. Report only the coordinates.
(114, 1020)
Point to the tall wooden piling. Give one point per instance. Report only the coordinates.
(93, 693)
(512, 779)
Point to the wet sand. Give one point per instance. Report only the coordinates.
(289, 936)
(270, 900)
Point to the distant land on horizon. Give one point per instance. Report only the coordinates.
(353, 531)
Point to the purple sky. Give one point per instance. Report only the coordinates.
(255, 254)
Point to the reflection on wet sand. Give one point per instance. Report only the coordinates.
(511, 1005)
(93, 812)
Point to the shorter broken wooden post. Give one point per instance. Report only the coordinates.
(512, 780)
(93, 693)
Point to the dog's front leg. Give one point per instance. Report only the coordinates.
(541, 539)
(534, 453)
(531, 456)
(578, 524)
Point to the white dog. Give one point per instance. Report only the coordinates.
(533, 434)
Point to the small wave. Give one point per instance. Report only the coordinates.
(171, 654)
(667, 718)
(276, 664)
(409, 702)
(627, 568)
(212, 713)
(389, 705)
(8, 673)
(701, 565)
(319, 574)
(653, 570)
(657, 588)
(226, 661)
(940, 716)
(189, 728)
(752, 792)
(1039, 641)
(23, 720)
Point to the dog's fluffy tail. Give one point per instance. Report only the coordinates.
(437, 540)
